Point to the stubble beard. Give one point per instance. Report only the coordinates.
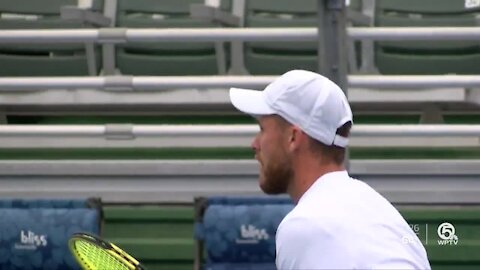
(277, 175)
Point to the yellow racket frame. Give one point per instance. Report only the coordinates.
(114, 251)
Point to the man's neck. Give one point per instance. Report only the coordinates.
(306, 174)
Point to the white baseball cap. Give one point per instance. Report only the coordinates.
(303, 98)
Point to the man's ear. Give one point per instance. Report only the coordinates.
(295, 137)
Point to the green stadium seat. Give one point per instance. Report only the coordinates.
(43, 59)
(169, 58)
(273, 58)
(427, 57)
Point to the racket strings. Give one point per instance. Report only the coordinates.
(95, 257)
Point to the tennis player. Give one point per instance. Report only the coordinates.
(338, 222)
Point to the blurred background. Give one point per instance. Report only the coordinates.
(115, 119)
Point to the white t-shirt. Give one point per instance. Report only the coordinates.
(342, 223)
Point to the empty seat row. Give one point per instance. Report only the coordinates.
(204, 58)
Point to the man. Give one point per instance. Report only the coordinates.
(338, 222)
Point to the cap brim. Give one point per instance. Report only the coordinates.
(250, 102)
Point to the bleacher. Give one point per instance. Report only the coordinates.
(102, 98)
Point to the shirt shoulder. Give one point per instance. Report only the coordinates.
(345, 224)
(307, 243)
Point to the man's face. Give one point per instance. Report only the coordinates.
(271, 151)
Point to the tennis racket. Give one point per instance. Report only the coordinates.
(93, 253)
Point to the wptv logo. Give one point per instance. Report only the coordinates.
(446, 233)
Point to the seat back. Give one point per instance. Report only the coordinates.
(164, 58)
(50, 59)
(34, 233)
(239, 232)
(427, 57)
(274, 58)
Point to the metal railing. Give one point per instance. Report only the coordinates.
(362, 130)
(459, 178)
(401, 181)
(167, 136)
(123, 35)
(123, 83)
(154, 83)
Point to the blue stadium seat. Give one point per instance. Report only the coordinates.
(34, 233)
(239, 232)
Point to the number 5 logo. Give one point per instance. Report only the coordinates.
(446, 231)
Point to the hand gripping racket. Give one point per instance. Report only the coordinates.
(93, 253)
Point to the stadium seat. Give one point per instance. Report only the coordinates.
(34, 233)
(273, 58)
(44, 59)
(238, 233)
(169, 58)
(427, 57)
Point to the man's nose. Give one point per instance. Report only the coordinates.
(254, 144)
